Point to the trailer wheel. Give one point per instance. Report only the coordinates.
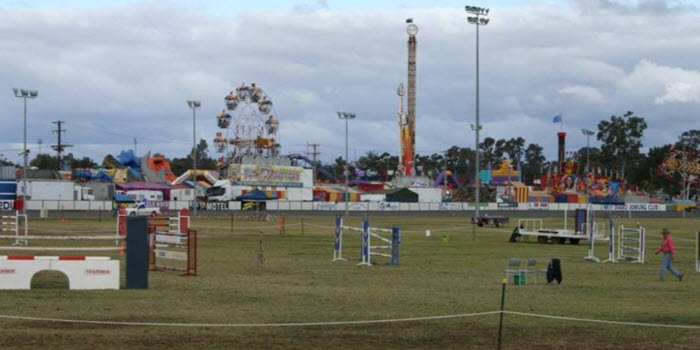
(574, 240)
(559, 240)
(541, 239)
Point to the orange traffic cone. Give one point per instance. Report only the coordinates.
(63, 219)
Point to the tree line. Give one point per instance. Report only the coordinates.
(619, 155)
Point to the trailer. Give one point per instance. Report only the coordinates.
(528, 228)
(497, 221)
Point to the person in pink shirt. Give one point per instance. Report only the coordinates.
(669, 249)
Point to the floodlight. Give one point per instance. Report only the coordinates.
(24, 92)
(16, 91)
(33, 93)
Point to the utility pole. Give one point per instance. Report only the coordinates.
(135, 146)
(60, 146)
(313, 154)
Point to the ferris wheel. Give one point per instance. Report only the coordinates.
(248, 126)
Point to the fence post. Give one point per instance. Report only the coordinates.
(302, 225)
(500, 320)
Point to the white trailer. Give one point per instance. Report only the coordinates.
(81, 193)
(182, 194)
(528, 228)
(150, 196)
(48, 190)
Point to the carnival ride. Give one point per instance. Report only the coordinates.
(446, 178)
(310, 162)
(249, 128)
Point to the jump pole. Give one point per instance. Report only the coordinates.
(338, 245)
(591, 242)
(611, 241)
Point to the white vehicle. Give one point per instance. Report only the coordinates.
(48, 189)
(81, 193)
(142, 209)
(150, 196)
(182, 194)
(222, 191)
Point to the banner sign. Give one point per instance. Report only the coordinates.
(635, 207)
(7, 205)
(265, 175)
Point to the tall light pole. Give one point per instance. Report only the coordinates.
(194, 105)
(477, 20)
(588, 133)
(346, 116)
(25, 94)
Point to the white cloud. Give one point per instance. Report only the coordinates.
(679, 92)
(587, 93)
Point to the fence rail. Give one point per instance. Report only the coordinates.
(284, 205)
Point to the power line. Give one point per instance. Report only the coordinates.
(59, 147)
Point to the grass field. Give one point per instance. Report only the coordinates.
(298, 283)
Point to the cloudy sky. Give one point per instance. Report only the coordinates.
(119, 70)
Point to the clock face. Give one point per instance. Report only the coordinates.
(412, 29)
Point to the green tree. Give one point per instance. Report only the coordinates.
(515, 147)
(487, 153)
(204, 162)
(690, 140)
(621, 139)
(44, 161)
(534, 162)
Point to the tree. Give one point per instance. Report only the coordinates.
(487, 152)
(82, 163)
(515, 147)
(44, 161)
(690, 140)
(204, 162)
(534, 161)
(621, 139)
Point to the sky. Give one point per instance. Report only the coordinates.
(116, 71)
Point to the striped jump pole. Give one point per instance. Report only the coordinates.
(338, 244)
(611, 242)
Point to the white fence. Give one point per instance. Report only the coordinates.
(352, 206)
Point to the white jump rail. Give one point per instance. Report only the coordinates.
(631, 244)
(367, 250)
(17, 224)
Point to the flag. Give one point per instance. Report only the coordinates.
(557, 119)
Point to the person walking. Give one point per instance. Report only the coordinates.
(668, 248)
